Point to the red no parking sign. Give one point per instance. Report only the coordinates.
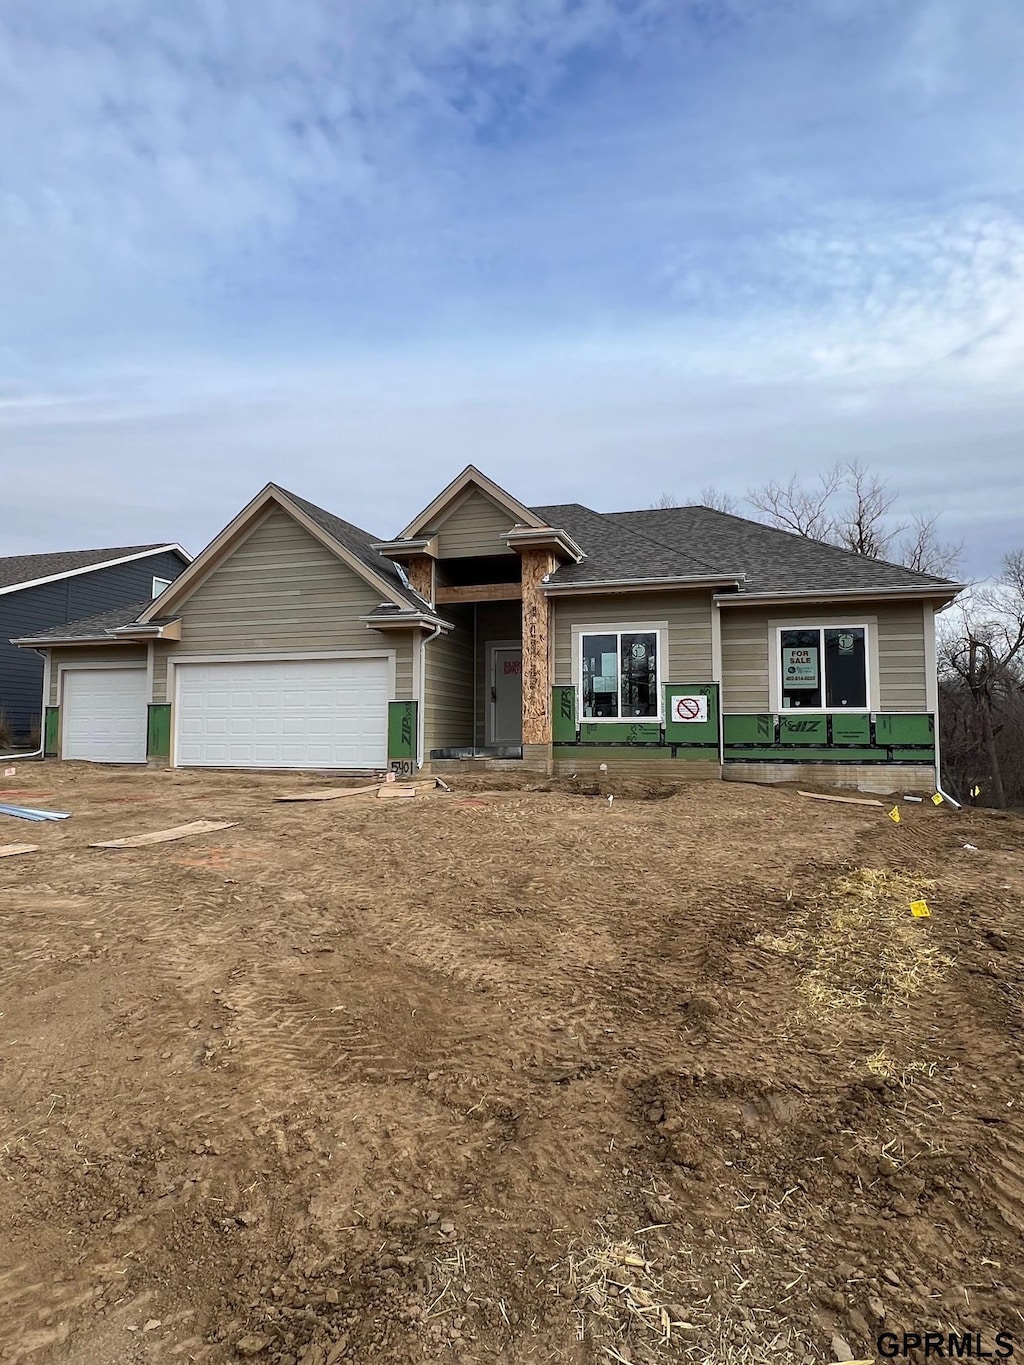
(690, 709)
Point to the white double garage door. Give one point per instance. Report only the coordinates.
(298, 713)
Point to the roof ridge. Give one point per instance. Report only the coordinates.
(792, 536)
(306, 502)
(87, 550)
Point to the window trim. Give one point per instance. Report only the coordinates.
(154, 591)
(868, 624)
(657, 628)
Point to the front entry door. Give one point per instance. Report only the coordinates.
(506, 695)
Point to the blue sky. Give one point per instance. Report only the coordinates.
(602, 248)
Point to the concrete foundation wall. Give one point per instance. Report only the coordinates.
(882, 778)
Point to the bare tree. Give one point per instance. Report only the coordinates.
(717, 500)
(709, 497)
(982, 655)
(921, 549)
(852, 507)
(863, 525)
(805, 511)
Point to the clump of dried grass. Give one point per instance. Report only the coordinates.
(618, 1289)
(858, 945)
(880, 1063)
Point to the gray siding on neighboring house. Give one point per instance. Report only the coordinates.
(85, 656)
(31, 610)
(280, 591)
(448, 684)
(473, 527)
(901, 652)
(689, 629)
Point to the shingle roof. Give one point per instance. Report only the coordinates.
(92, 627)
(17, 569)
(616, 550)
(359, 543)
(773, 561)
(670, 542)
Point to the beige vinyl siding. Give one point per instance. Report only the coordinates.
(448, 684)
(473, 527)
(689, 629)
(902, 672)
(280, 591)
(82, 656)
(899, 640)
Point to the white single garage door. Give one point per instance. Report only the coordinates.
(103, 714)
(304, 713)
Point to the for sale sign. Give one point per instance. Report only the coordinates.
(800, 666)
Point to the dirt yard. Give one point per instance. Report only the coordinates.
(520, 1077)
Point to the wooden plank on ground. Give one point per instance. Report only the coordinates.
(392, 791)
(329, 793)
(165, 836)
(842, 800)
(12, 850)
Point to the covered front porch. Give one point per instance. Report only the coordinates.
(487, 680)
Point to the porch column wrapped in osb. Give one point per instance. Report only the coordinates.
(420, 571)
(536, 564)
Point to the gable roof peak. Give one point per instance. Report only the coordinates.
(472, 477)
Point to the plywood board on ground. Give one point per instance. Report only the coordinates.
(328, 793)
(12, 850)
(842, 800)
(165, 836)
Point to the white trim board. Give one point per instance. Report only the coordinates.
(91, 568)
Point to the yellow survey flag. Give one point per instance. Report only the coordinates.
(937, 799)
(920, 910)
(975, 791)
(894, 814)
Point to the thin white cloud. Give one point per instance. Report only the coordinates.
(600, 245)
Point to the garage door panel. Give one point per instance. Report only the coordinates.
(104, 715)
(316, 713)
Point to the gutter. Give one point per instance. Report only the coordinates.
(170, 630)
(629, 584)
(826, 594)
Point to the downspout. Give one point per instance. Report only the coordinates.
(938, 769)
(421, 718)
(476, 609)
(38, 753)
(933, 696)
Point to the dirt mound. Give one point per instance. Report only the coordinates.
(530, 1078)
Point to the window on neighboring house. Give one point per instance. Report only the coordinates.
(824, 668)
(620, 675)
(160, 584)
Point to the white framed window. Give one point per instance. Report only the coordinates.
(619, 671)
(160, 585)
(824, 667)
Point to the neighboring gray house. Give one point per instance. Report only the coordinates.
(488, 633)
(39, 592)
